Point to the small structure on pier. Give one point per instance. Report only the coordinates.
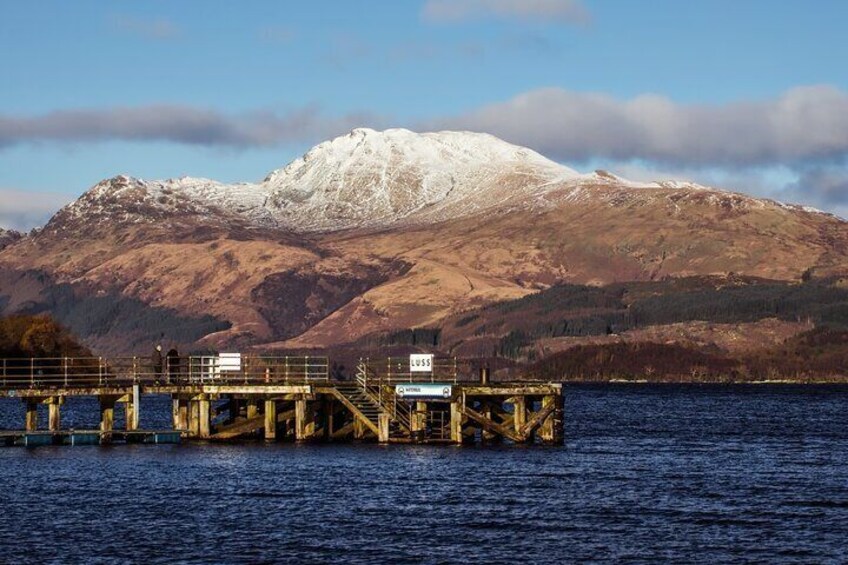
(417, 399)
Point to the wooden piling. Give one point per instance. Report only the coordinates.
(31, 422)
(418, 421)
(270, 420)
(328, 417)
(130, 416)
(54, 414)
(551, 430)
(384, 428)
(359, 429)
(184, 414)
(175, 412)
(252, 408)
(107, 417)
(519, 413)
(193, 418)
(204, 416)
(456, 421)
(304, 421)
(133, 408)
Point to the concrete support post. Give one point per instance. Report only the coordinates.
(456, 422)
(31, 422)
(204, 413)
(54, 414)
(270, 420)
(384, 428)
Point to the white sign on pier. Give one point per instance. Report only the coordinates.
(421, 363)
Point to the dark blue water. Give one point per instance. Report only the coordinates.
(686, 474)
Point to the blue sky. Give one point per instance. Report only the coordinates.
(749, 95)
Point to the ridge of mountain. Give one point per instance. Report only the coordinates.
(365, 179)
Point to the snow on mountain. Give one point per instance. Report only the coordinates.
(133, 200)
(363, 179)
(369, 178)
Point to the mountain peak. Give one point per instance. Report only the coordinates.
(369, 177)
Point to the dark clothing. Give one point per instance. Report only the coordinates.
(173, 359)
(156, 360)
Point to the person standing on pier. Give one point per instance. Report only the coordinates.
(156, 359)
(173, 361)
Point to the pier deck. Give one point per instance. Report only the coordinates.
(283, 399)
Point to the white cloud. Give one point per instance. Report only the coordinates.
(23, 210)
(804, 124)
(563, 11)
(178, 124)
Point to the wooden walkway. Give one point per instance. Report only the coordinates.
(283, 399)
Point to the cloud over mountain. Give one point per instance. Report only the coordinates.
(804, 124)
(177, 124)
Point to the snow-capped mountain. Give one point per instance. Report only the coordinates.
(438, 223)
(370, 178)
(364, 179)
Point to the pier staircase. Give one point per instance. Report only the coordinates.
(368, 397)
(361, 404)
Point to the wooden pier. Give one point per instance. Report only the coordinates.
(284, 399)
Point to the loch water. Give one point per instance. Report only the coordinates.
(649, 473)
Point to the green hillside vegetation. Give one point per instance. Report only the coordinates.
(579, 311)
(513, 329)
(818, 355)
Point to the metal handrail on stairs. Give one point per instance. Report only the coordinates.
(381, 393)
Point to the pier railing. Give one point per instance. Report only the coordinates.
(393, 370)
(67, 372)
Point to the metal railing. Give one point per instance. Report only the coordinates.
(68, 372)
(383, 394)
(393, 370)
